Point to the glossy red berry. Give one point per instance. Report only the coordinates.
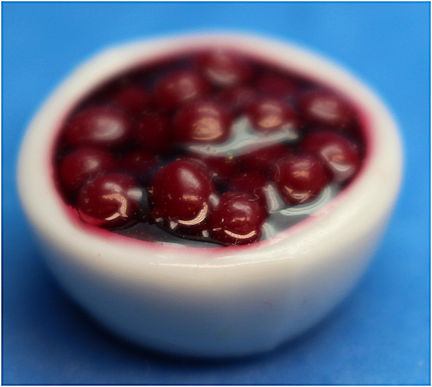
(180, 192)
(277, 86)
(299, 178)
(202, 122)
(339, 155)
(252, 183)
(224, 68)
(133, 99)
(98, 126)
(237, 98)
(219, 168)
(262, 159)
(325, 109)
(268, 114)
(237, 219)
(82, 164)
(109, 200)
(179, 87)
(139, 163)
(152, 132)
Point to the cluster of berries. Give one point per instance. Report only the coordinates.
(124, 156)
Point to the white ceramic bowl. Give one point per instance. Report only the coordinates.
(219, 301)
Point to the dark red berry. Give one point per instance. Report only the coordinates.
(224, 68)
(237, 219)
(252, 183)
(260, 160)
(109, 200)
(180, 192)
(219, 168)
(300, 178)
(325, 109)
(268, 114)
(139, 163)
(98, 126)
(133, 99)
(237, 98)
(202, 122)
(152, 132)
(339, 155)
(277, 86)
(179, 87)
(82, 164)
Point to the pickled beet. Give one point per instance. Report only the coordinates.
(339, 155)
(202, 122)
(268, 114)
(299, 177)
(179, 87)
(82, 164)
(103, 127)
(180, 192)
(224, 68)
(109, 200)
(237, 219)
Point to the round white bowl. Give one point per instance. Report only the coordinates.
(220, 301)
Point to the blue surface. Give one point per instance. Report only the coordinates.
(380, 335)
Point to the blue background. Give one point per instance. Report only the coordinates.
(380, 335)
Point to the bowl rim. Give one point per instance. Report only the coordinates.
(35, 168)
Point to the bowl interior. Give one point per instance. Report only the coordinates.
(56, 220)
